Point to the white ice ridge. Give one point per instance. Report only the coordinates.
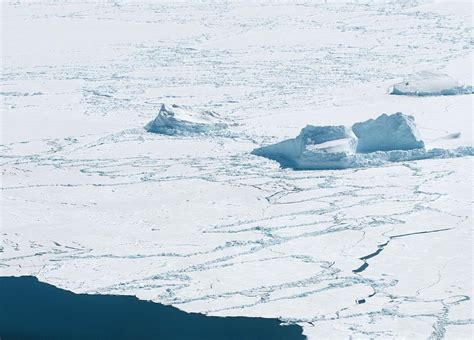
(389, 138)
(427, 83)
(182, 120)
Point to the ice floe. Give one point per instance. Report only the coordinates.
(427, 83)
(181, 120)
(389, 138)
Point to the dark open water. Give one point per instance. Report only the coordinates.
(33, 309)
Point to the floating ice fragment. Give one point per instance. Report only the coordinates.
(182, 120)
(427, 83)
(389, 138)
(388, 132)
(328, 146)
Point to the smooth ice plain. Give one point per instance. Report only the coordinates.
(92, 202)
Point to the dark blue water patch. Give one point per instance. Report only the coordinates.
(361, 268)
(382, 246)
(33, 309)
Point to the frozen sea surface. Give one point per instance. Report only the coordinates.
(93, 203)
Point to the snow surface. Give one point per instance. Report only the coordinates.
(91, 202)
(181, 120)
(427, 83)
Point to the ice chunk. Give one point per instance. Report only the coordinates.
(394, 132)
(316, 147)
(314, 135)
(389, 138)
(427, 83)
(180, 120)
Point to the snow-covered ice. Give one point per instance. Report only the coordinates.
(388, 132)
(93, 203)
(426, 83)
(181, 120)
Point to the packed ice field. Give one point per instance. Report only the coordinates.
(306, 161)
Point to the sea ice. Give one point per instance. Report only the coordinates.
(378, 158)
(427, 83)
(181, 120)
(93, 205)
(388, 132)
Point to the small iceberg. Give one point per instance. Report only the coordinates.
(387, 132)
(321, 147)
(427, 83)
(389, 138)
(182, 120)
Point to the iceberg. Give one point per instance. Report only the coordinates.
(387, 139)
(182, 120)
(316, 147)
(387, 132)
(427, 83)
